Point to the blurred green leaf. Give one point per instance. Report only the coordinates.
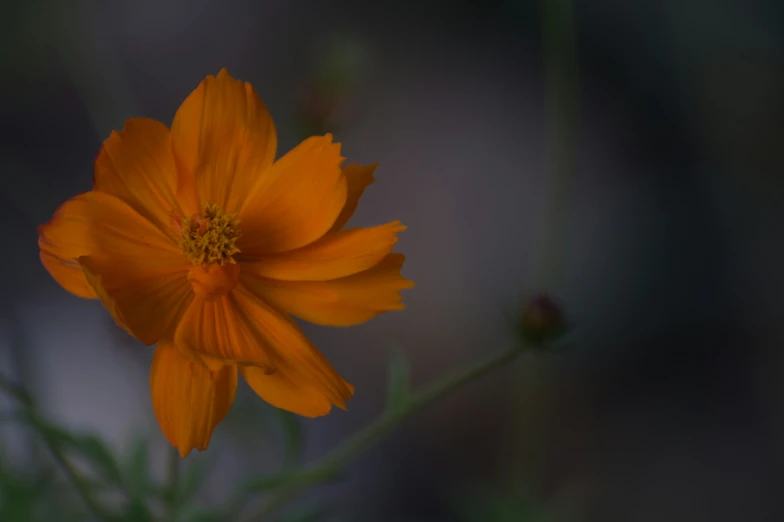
(25, 497)
(342, 61)
(484, 505)
(250, 422)
(268, 483)
(88, 446)
(398, 381)
(201, 515)
(304, 514)
(57, 435)
(17, 501)
(14, 416)
(265, 484)
(138, 511)
(293, 436)
(100, 456)
(138, 468)
(192, 479)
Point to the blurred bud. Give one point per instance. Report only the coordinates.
(327, 97)
(317, 111)
(542, 320)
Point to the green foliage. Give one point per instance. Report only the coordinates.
(146, 501)
(304, 514)
(198, 515)
(88, 447)
(249, 423)
(137, 468)
(264, 484)
(293, 436)
(31, 497)
(485, 505)
(141, 499)
(192, 479)
(398, 382)
(137, 511)
(99, 455)
(56, 435)
(269, 483)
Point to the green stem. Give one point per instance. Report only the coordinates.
(24, 399)
(21, 368)
(563, 107)
(562, 97)
(326, 468)
(173, 483)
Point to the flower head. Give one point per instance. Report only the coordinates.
(195, 239)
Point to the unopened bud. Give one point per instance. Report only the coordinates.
(542, 320)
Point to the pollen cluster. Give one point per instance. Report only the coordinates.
(210, 239)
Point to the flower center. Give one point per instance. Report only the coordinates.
(209, 242)
(209, 239)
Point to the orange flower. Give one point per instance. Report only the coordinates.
(194, 238)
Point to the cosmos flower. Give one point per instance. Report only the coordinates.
(196, 240)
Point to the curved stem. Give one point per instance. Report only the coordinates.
(24, 399)
(173, 483)
(326, 468)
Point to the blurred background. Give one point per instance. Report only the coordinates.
(668, 406)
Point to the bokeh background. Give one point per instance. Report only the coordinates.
(668, 405)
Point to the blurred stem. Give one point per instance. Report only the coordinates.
(563, 106)
(18, 349)
(173, 482)
(562, 92)
(326, 468)
(26, 401)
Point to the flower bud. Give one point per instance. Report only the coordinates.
(542, 320)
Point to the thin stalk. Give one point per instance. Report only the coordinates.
(172, 483)
(562, 90)
(326, 468)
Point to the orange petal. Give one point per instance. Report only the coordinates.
(357, 179)
(289, 348)
(295, 201)
(96, 222)
(289, 389)
(224, 138)
(341, 302)
(335, 255)
(241, 329)
(189, 400)
(219, 332)
(137, 165)
(69, 274)
(147, 298)
(214, 281)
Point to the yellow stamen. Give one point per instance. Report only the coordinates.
(211, 238)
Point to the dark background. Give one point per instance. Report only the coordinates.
(667, 406)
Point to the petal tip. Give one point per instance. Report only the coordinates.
(41, 231)
(371, 170)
